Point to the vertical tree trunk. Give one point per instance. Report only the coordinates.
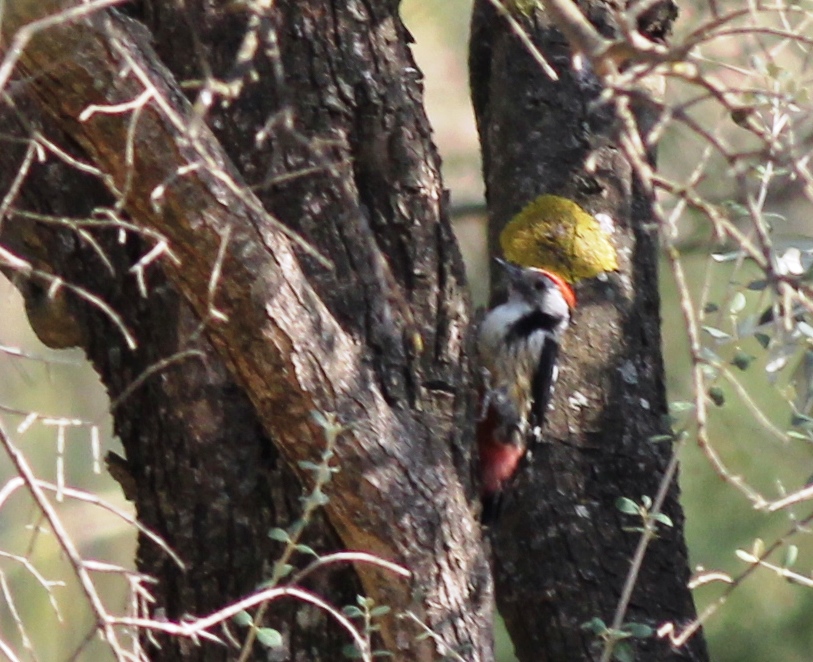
(561, 551)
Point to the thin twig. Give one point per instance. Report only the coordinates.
(65, 542)
(198, 627)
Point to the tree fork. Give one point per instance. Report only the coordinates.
(283, 323)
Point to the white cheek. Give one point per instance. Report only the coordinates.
(491, 335)
(556, 305)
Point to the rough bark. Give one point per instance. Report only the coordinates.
(377, 337)
(199, 467)
(561, 551)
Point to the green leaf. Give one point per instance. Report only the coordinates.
(296, 529)
(350, 651)
(801, 421)
(742, 555)
(269, 637)
(595, 625)
(778, 73)
(307, 465)
(280, 535)
(282, 569)
(757, 285)
(660, 438)
(382, 653)
(352, 611)
(710, 357)
(791, 554)
(715, 333)
(717, 395)
(317, 498)
(763, 339)
(797, 435)
(663, 519)
(381, 610)
(680, 406)
(623, 652)
(646, 501)
(627, 506)
(304, 549)
(742, 359)
(243, 618)
(639, 630)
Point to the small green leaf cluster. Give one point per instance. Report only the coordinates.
(365, 610)
(322, 473)
(619, 639)
(268, 637)
(643, 510)
(774, 330)
(758, 556)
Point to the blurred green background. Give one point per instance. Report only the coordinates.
(767, 618)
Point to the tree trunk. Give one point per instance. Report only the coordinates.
(312, 268)
(561, 550)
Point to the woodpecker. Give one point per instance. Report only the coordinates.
(517, 343)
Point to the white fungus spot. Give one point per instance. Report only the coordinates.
(606, 222)
(629, 373)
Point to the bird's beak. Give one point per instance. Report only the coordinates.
(511, 270)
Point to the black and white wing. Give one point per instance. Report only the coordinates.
(542, 384)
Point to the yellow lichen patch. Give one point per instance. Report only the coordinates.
(525, 7)
(556, 234)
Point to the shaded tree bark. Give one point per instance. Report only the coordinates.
(561, 552)
(377, 336)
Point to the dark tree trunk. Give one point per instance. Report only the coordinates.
(325, 135)
(561, 551)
